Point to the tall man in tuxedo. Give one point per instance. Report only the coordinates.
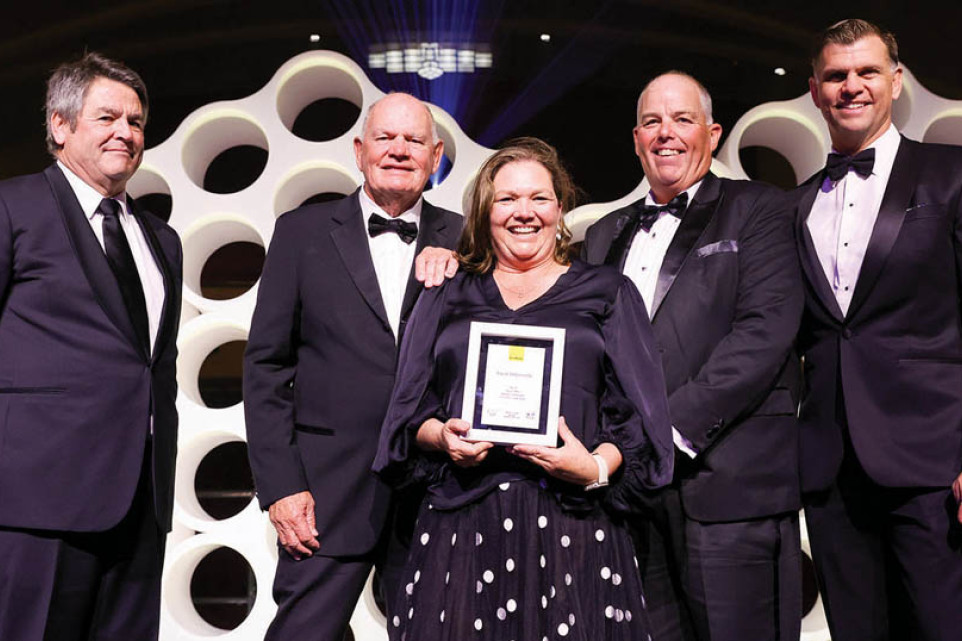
(714, 260)
(334, 297)
(880, 236)
(89, 306)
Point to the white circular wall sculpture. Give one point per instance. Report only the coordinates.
(297, 169)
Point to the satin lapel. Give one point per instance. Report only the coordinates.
(90, 254)
(898, 195)
(693, 223)
(171, 312)
(623, 234)
(350, 239)
(430, 234)
(809, 257)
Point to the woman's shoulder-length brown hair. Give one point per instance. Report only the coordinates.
(475, 250)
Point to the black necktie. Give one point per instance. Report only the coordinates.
(377, 225)
(838, 165)
(122, 264)
(675, 207)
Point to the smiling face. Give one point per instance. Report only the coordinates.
(854, 85)
(524, 215)
(673, 138)
(398, 152)
(106, 145)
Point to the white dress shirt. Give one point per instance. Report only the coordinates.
(150, 276)
(643, 263)
(392, 258)
(843, 217)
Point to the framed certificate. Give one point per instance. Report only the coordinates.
(512, 386)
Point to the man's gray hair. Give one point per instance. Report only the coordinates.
(434, 124)
(702, 92)
(69, 83)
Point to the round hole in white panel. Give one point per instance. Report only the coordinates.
(215, 132)
(190, 457)
(946, 129)
(197, 340)
(151, 191)
(208, 235)
(315, 80)
(310, 179)
(791, 136)
(902, 108)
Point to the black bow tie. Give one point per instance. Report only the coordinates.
(675, 207)
(862, 163)
(377, 225)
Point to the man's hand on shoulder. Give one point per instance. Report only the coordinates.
(293, 518)
(435, 264)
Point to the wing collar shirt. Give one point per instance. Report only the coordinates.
(392, 257)
(150, 276)
(647, 252)
(843, 217)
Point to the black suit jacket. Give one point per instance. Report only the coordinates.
(897, 355)
(726, 309)
(77, 390)
(319, 368)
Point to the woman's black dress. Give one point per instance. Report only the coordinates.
(502, 551)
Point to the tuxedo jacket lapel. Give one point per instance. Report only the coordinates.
(90, 254)
(170, 315)
(806, 249)
(350, 239)
(697, 216)
(898, 195)
(431, 233)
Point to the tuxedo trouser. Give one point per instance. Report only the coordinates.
(84, 586)
(720, 581)
(888, 560)
(316, 595)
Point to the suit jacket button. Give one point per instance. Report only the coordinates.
(847, 333)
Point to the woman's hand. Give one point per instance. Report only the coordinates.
(448, 437)
(572, 461)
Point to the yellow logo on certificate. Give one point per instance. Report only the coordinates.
(515, 353)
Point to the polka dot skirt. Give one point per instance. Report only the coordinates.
(513, 566)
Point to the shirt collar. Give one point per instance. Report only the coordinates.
(368, 207)
(691, 191)
(88, 197)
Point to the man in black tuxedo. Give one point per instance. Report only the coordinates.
(334, 297)
(89, 306)
(714, 259)
(880, 237)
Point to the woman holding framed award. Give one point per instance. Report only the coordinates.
(521, 534)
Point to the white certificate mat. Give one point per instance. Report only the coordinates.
(512, 388)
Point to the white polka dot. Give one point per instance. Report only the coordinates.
(609, 611)
(543, 561)
(447, 577)
(480, 587)
(442, 616)
(425, 538)
(567, 579)
(563, 629)
(509, 565)
(508, 525)
(627, 615)
(600, 535)
(552, 593)
(417, 575)
(478, 624)
(478, 538)
(605, 573)
(504, 486)
(619, 615)
(502, 614)
(454, 539)
(542, 522)
(430, 506)
(565, 541)
(544, 602)
(409, 588)
(397, 621)
(616, 579)
(411, 613)
(512, 605)
(571, 619)
(488, 576)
